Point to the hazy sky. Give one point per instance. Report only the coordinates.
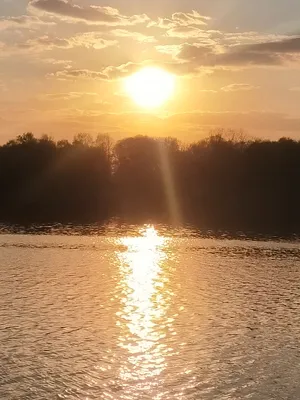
(62, 65)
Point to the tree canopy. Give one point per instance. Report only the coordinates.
(222, 182)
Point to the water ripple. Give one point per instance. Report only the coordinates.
(148, 316)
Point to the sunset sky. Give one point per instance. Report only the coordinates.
(63, 64)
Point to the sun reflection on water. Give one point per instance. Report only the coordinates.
(142, 319)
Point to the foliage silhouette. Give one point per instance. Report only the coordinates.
(222, 182)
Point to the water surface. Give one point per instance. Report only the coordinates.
(148, 314)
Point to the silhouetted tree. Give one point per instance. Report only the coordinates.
(138, 178)
(225, 181)
(47, 181)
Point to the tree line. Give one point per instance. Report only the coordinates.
(222, 182)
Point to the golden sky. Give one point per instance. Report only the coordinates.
(63, 63)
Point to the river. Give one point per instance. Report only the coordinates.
(148, 313)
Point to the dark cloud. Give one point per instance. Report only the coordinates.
(291, 45)
(265, 53)
(191, 52)
(91, 14)
(246, 57)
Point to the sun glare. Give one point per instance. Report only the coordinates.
(146, 298)
(150, 87)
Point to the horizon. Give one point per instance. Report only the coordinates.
(63, 66)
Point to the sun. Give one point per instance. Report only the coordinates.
(150, 87)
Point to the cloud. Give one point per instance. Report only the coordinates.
(90, 14)
(193, 18)
(44, 43)
(172, 49)
(186, 32)
(123, 70)
(140, 37)
(52, 61)
(201, 54)
(237, 87)
(23, 22)
(91, 40)
(36, 45)
(265, 53)
(242, 58)
(182, 19)
(114, 72)
(78, 74)
(107, 73)
(66, 96)
(248, 38)
(291, 45)
(295, 89)
(120, 71)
